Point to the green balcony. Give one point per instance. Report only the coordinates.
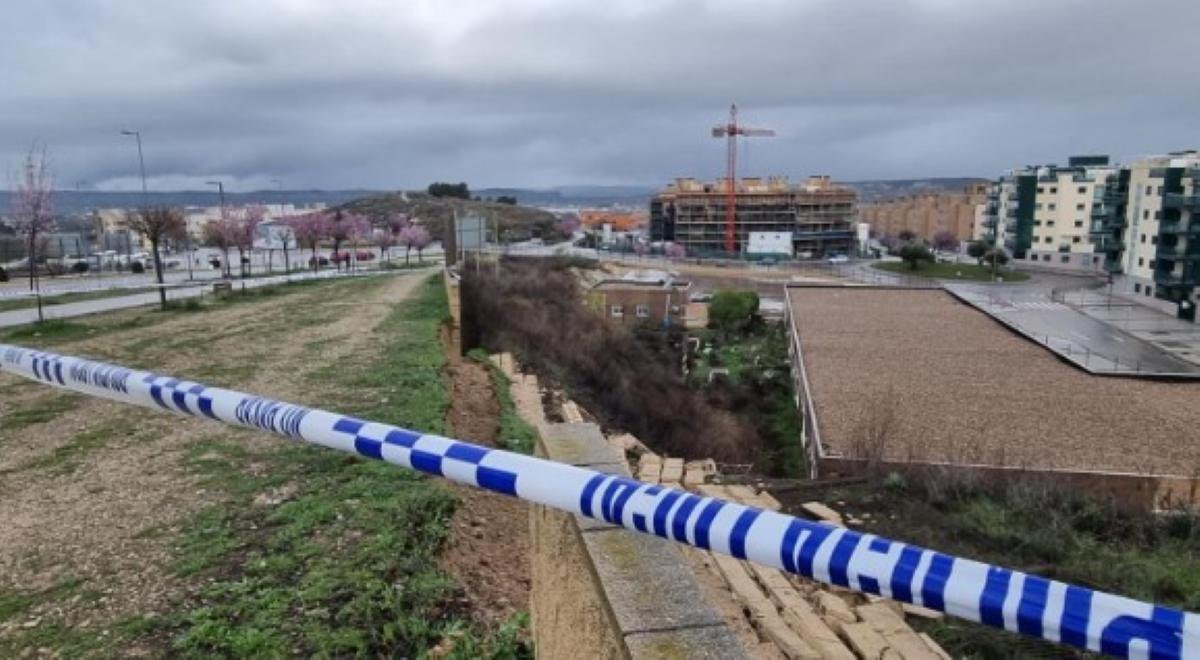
(1184, 202)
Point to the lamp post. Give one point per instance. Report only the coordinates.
(221, 194)
(145, 204)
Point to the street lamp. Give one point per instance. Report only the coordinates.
(221, 193)
(141, 161)
(279, 188)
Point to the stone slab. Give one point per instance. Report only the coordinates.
(649, 585)
(706, 643)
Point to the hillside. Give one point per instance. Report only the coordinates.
(517, 223)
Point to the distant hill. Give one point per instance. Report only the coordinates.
(581, 195)
(517, 223)
(882, 190)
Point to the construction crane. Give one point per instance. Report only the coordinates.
(730, 132)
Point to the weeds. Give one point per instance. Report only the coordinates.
(515, 434)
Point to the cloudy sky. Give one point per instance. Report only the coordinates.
(396, 93)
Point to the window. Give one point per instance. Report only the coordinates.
(1158, 215)
(1143, 238)
(1066, 258)
(1041, 189)
(1049, 223)
(1146, 214)
(1149, 190)
(1053, 206)
(643, 311)
(1149, 290)
(1053, 190)
(1078, 207)
(1037, 223)
(1076, 239)
(1045, 257)
(1153, 240)
(618, 311)
(1082, 190)
(1152, 263)
(1137, 288)
(1079, 223)
(1048, 240)
(1036, 238)
(1037, 206)
(1160, 191)
(1141, 261)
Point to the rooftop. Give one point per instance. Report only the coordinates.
(940, 381)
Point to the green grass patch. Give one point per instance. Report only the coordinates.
(515, 433)
(946, 271)
(66, 458)
(40, 411)
(338, 555)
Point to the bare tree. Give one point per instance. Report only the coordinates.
(33, 210)
(876, 429)
(158, 225)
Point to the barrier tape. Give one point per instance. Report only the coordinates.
(991, 595)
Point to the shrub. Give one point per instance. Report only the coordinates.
(137, 268)
(533, 309)
(3, 275)
(976, 249)
(79, 267)
(732, 310)
(914, 253)
(998, 255)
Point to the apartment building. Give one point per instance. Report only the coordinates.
(819, 214)
(929, 213)
(1042, 214)
(1148, 228)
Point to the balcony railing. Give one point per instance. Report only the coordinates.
(1179, 252)
(1178, 201)
(1178, 227)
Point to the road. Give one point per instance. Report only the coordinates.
(85, 307)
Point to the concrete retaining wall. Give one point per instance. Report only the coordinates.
(602, 592)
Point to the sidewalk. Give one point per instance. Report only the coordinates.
(1090, 343)
(1169, 334)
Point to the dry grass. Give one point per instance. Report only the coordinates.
(967, 390)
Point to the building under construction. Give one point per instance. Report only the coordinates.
(819, 214)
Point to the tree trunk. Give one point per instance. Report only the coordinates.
(316, 260)
(407, 251)
(287, 267)
(158, 274)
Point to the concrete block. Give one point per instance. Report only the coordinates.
(571, 413)
(867, 642)
(833, 607)
(823, 513)
(577, 444)
(672, 471)
(707, 643)
(935, 647)
(923, 612)
(649, 585)
(765, 617)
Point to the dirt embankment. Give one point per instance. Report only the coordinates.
(488, 549)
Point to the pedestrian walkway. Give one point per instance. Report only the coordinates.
(1090, 343)
(1171, 335)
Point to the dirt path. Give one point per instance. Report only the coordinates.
(91, 498)
(488, 549)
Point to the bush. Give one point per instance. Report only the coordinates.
(998, 255)
(364, 256)
(976, 249)
(80, 267)
(137, 268)
(914, 253)
(3, 275)
(732, 310)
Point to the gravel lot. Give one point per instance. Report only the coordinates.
(917, 375)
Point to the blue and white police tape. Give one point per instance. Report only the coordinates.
(991, 595)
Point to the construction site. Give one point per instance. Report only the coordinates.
(817, 216)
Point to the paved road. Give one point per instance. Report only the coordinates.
(82, 308)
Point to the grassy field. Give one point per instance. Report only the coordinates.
(941, 271)
(291, 550)
(1036, 528)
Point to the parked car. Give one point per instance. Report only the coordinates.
(839, 259)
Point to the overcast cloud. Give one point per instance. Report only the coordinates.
(396, 93)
